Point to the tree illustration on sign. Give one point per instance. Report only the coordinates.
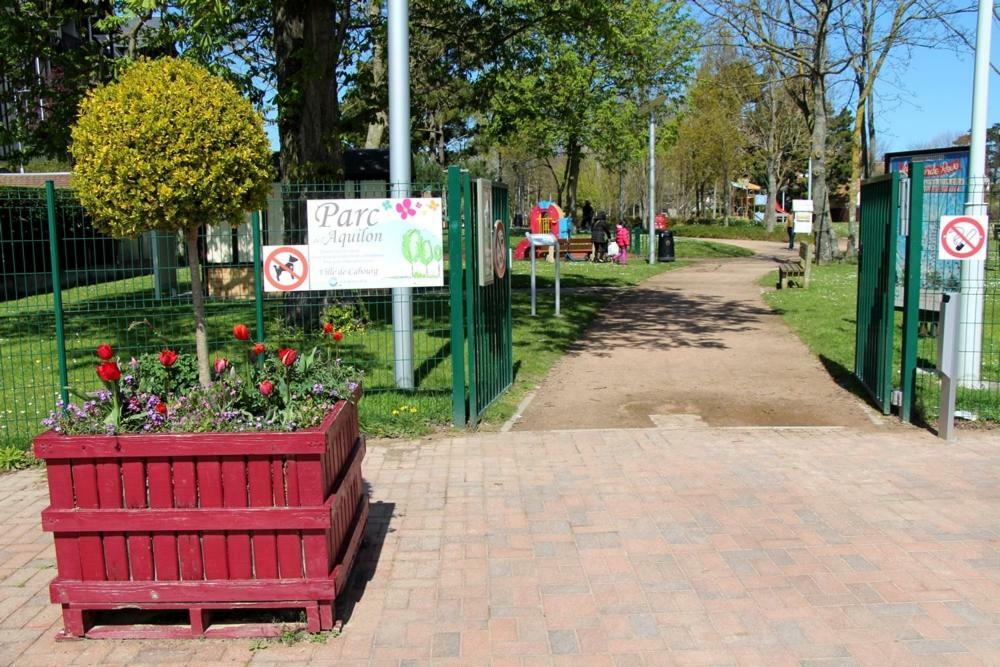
(419, 250)
(412, 243)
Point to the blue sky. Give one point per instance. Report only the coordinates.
(929, 93)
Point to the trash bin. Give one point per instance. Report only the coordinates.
(664, 245)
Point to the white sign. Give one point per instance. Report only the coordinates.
(286, 268)
(802, 206)
(484, 231)
(542, 240)
(375, 243)
(802, 222)
(963, 237)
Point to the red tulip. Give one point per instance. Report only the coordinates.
(105, 352)
(221, 364)
(109, 371)
(338, 336)
(161, 408)
(258, 348)
(168, 358)
(266, 387)
(287, 356)
(327, 328)
(241, 332)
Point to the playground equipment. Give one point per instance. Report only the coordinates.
(545, 218)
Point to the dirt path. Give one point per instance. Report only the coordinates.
(696, 345)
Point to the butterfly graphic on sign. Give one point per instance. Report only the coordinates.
(433, 205)
(387, 205)
(405, 209)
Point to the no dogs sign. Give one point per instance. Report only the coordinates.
(963, 237)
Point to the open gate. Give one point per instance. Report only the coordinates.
(891, 215)
(479, 282)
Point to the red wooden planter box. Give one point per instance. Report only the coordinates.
(204, 521)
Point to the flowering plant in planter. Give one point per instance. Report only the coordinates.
(282, 389)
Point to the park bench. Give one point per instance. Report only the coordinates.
(577, 247)
(797, 269)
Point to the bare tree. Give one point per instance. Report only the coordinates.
(870, 30)
(793, 37)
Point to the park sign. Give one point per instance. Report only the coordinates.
(362, 244)
(963, 237)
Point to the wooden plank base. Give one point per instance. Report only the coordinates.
(83, 621)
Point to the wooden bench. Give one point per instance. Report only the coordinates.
(577, 247)
(797, 269)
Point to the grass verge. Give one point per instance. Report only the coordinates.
(824, 317)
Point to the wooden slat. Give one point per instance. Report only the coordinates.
(188, 537)
(91, 550)
(200, 592)
(109, 491)
(265, 548)
(67, 545)
(161, 494)
(140, 545)
(290, 541)
(213, 542)
(234, 494)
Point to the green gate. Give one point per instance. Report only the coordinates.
(478, 230)
(891, 213)
(879, 231)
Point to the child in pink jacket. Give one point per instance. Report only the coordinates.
(622, 239)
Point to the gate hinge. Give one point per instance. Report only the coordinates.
(896, 398)
(904, 206)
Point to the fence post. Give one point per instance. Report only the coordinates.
(50, 205)
(455, 296)
(471, 286)
(947, 362)
(258, 275)
(911, 291)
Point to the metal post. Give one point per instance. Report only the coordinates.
(948, 362)
(973, 274)
(258, 275)
(399, 176)
(652, 185)
(531, 247)
(557, 277)
(456, 298)
(50, 205)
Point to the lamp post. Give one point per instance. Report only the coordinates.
(400, 177)
(650, 107)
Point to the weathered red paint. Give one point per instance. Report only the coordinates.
(204, 521)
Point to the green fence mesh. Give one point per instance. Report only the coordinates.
(136, 295)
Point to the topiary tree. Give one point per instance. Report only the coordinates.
(170, 147)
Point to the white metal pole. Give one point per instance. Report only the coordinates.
(973, 274)
(399, 176)
(652, 187)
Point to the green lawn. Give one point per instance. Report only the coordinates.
(104, 313)
(824, 317)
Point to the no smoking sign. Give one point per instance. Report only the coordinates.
(963, 237)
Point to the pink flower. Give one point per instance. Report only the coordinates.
(266, 387)
(221, 364)
(287, 356)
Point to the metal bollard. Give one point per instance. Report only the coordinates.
(947, 362)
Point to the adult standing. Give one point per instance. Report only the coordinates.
(790, 229)
(599, 234)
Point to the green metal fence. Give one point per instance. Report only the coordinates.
(65, 288)
(876, 288)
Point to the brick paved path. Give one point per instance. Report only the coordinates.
(653, 546)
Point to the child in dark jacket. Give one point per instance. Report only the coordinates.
(622, 239)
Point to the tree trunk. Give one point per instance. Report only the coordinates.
(825, 238)
(770, 216)
(854, 188)
(376, 129)
(308, 36)
(572, 176)
(198, 304)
